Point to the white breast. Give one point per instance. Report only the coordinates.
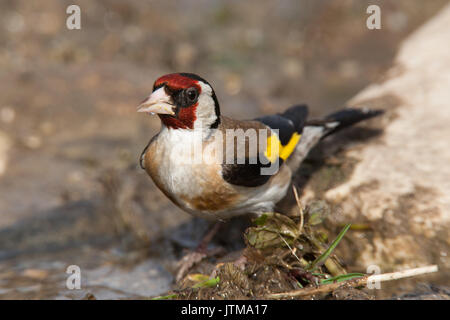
(184, 172)
(180, 163)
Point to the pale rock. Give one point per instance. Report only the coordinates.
(401, 182)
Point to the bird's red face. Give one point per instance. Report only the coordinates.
(183, 101)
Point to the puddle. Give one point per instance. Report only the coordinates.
(46, 279)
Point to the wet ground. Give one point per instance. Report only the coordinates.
(71, 192)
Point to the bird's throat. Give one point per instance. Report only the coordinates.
(183, 119)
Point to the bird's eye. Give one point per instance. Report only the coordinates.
(191, 94)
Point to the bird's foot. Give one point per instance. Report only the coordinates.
(193, 258)
(299, 274)
(239, 263)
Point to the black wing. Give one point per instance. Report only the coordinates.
(250, 174)
(290, 122)
(245, 175)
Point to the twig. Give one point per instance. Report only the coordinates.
(354, 282)
(292, 251)
(300, 208)
(403, 274)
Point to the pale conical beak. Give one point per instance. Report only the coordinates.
(158, 102)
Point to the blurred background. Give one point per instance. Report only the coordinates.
(71, 191)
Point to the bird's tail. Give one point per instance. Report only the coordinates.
(317, 129)
(343, 119)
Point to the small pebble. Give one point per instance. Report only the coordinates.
(38, 274)
(7, 114)
(33, 142)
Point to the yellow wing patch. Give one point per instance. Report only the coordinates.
(276, 150)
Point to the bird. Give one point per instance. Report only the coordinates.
(245, 183)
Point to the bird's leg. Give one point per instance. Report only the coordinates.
(209, 235)
(200, 253)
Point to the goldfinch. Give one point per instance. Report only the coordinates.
(257, 157)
